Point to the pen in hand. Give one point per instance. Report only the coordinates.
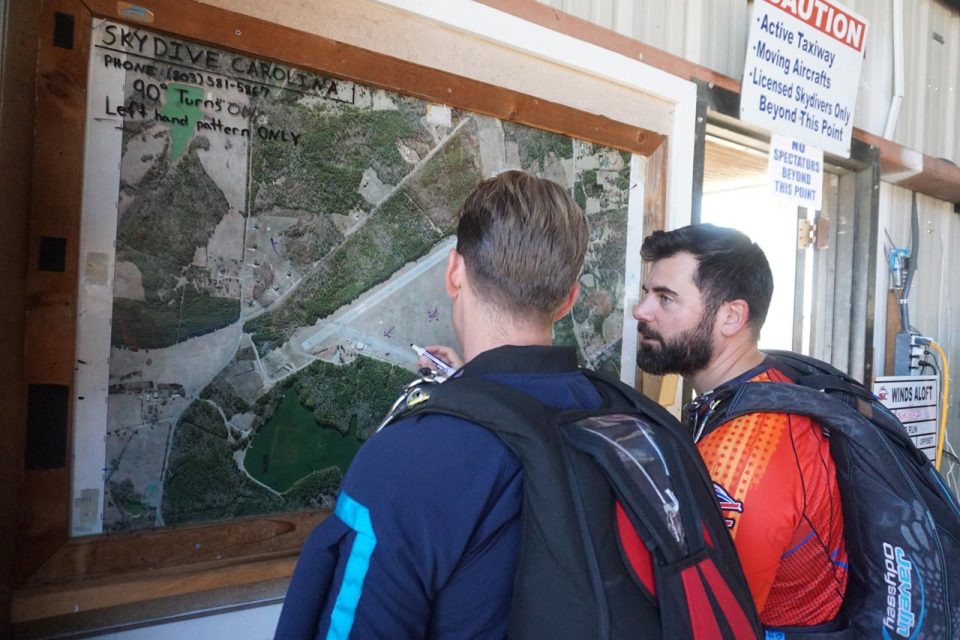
(441, 366)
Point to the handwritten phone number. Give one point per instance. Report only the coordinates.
(215, 82)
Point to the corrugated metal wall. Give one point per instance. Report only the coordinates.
(713, 33)
(930, 117)
(935, 293)
(709, 32)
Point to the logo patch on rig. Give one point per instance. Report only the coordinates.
(903, 583)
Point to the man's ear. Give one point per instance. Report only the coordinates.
(456, 273)
(733, 316)
(568, 302)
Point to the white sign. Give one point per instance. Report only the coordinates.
(916, 401)
(796, 172)
(802, 71)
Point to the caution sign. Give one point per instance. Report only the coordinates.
(915, 400)
(802, 71)
(796, 172)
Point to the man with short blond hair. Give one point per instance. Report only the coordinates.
(425, 537)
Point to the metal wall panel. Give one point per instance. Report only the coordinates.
(825, 267)
(713, 33)
(709, 32)
(930, 121)
(843, 273)
(876, 76)
(935, 293)
(916, 33)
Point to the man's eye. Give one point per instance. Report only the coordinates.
(665, 299)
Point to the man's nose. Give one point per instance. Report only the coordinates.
(641, 310)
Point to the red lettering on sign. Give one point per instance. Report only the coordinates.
(829, 18)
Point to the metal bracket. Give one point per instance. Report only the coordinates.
(806, 233)
(813, 233)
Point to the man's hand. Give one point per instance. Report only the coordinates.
(446, 354)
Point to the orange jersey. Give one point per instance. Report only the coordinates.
(776, 483)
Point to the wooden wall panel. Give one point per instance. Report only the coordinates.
(257, 37)
(662, 389)
(16, 151)
(57, 180)
(102, 556)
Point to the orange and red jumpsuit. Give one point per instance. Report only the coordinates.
(776, 483)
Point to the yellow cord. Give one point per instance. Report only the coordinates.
(945, 401)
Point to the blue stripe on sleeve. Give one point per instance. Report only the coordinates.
(357, 517)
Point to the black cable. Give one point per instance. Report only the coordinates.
(933, 362)
(911, 265)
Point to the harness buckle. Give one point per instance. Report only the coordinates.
(414, 393)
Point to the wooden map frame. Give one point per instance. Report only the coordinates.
(57, 575)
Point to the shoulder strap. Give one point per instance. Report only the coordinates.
(488, 402)
(615, 391)
(522, 422)
(816, 374)
(811, 376)
(646, 470)
(806, 365)
(763, 397)
(658, 415)
(804, 372)
(528, 426)
(483, 401)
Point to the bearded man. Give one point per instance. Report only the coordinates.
(704, 302)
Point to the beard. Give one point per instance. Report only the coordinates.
(685, 354)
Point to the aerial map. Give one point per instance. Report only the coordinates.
(280, 242)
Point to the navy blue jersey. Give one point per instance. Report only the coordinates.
(426, 532)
